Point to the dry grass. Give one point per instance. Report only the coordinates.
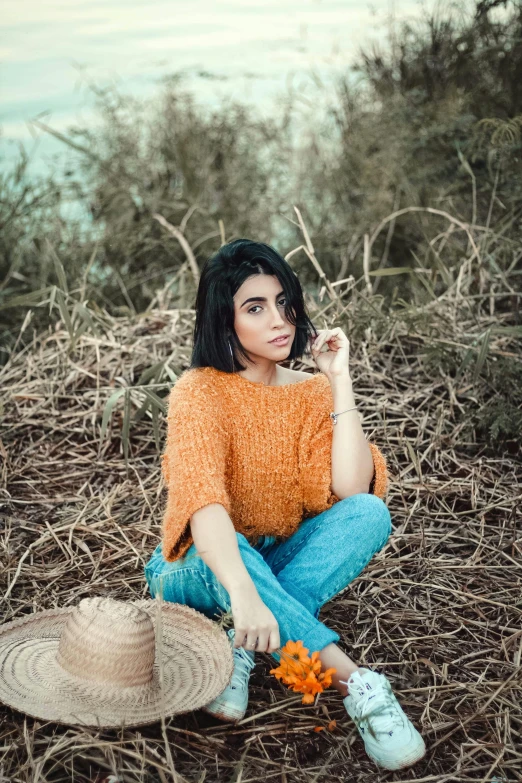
(438, 610)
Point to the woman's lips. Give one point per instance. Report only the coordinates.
(280, 341)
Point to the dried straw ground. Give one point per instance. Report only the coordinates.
(438, 610)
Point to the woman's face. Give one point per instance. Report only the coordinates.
(258, 322)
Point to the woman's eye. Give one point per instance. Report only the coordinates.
(254, 307)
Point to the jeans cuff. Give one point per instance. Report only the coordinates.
(318, 637)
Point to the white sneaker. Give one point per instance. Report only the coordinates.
(232, 703)
(390, 739)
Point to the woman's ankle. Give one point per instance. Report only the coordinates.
(343, 682)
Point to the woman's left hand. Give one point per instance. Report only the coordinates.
(334, 361)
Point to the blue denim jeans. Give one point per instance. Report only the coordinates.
(293, 577)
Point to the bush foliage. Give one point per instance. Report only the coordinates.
(412, 177)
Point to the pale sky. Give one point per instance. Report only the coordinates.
(251, 48)
(44, 44)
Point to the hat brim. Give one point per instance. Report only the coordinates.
(193, 665)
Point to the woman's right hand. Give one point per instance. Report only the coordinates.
(256, 628)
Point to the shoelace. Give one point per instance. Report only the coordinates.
(243, 665)
(377, 704)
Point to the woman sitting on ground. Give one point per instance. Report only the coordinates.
(274, 506)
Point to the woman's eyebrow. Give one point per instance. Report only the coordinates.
(259, 298)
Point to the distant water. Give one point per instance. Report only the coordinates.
(250, 50)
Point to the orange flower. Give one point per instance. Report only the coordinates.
(295, 655)
(315, 662)
(325, 678)
(331, 726)
(302, 673)
(296, 650)
(294, 660)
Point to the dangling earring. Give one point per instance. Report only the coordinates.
(231, 354)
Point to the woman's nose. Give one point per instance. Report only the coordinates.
(278, 318)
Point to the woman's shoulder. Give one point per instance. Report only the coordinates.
(189, 376)
(194, 381)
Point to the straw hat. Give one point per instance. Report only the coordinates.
(109, 663)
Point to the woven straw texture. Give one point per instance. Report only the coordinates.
(98, 663)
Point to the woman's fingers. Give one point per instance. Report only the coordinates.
(316, 346)
(325, 336)
(262, 641)
(274, 641)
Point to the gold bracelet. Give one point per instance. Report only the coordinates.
(334, 416)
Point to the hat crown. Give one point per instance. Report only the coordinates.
(108, 641)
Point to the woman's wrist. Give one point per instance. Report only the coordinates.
(341, 386)
(242, 586)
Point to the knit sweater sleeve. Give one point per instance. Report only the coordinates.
(316, 455)
(194, 460)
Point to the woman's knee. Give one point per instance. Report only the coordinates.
(379, 518)
(375, 515)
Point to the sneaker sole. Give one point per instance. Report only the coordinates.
(406, 762)
(224, 714)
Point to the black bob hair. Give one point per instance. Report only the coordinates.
(222, 275)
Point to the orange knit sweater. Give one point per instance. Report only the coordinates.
(263, 452)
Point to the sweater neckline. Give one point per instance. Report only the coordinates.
(254, 384)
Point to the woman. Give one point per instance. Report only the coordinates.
(273, 506)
